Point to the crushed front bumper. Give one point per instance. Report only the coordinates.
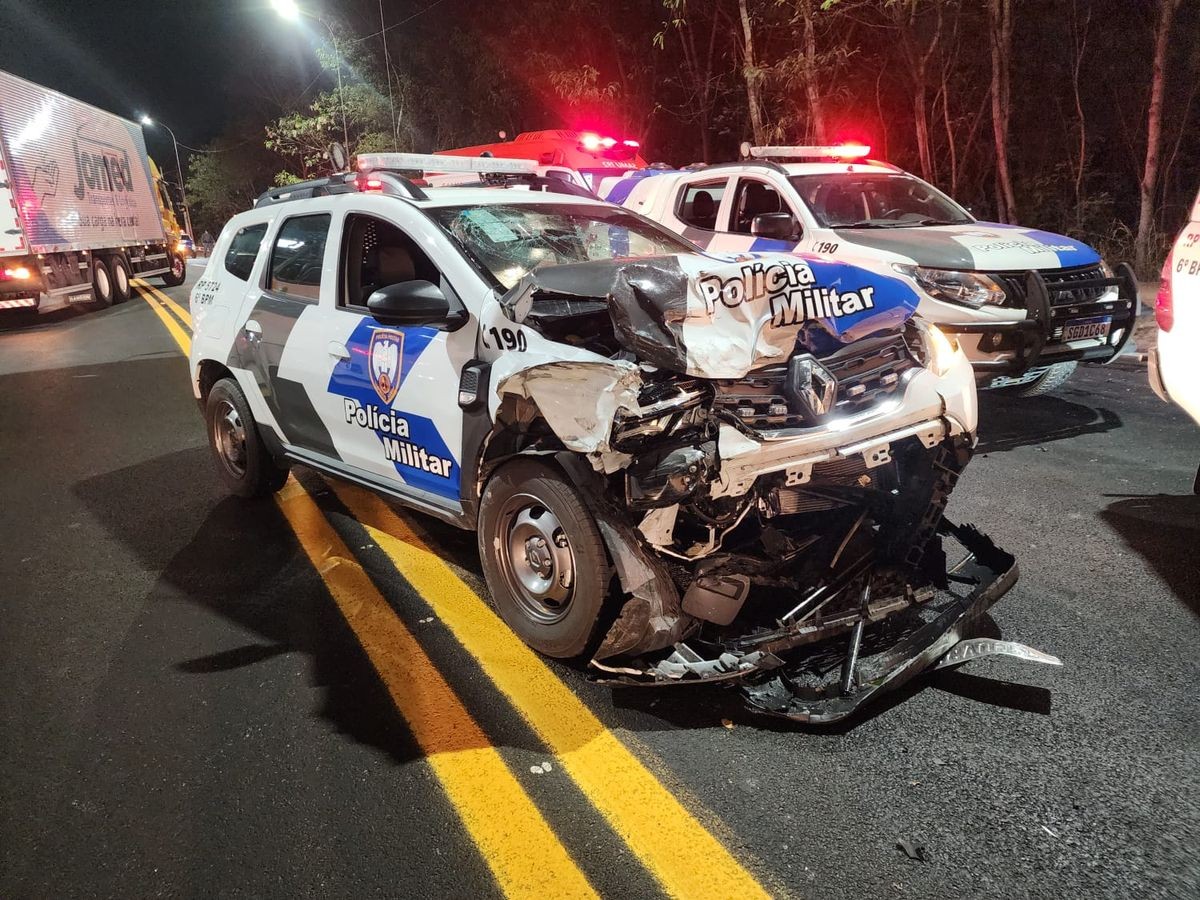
(829, 681)
(1011, 349)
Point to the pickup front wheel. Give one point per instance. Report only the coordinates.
(543, 557)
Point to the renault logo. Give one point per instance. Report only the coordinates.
(811, 389)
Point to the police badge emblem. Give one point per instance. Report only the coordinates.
(384, 353)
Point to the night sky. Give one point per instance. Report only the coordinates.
(191, 64)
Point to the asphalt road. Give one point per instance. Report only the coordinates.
(190, 707)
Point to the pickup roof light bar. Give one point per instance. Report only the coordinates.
(428, 162)
(837, 151)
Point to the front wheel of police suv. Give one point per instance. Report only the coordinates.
(243, 461)
(543, 558)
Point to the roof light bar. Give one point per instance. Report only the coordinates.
(428, 162)
(838, 151)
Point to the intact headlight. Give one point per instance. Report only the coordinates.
(966, 288)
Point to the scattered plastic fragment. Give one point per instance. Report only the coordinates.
(912, 851)
(728, 723)
(542, 769)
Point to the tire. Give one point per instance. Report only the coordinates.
(243, 461)
(102, 284)
(118, 272)
(529, 595)
(178, 271)
(1050, 380)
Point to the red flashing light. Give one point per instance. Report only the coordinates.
(1164, 302)
(629, 143)
(590, 142)
(852, 151)
(370, 184)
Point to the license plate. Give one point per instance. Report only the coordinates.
(1082, 329)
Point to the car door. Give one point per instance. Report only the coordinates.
(287, 294)
(390, 393)
(696, 208)
(753, 195)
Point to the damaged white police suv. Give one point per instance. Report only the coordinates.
(1027, 306)
(690, 468)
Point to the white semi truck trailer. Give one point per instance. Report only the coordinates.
(81, 212)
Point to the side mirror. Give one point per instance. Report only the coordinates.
(779, 226)
(413, 303)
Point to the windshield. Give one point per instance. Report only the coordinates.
(508, 242)
(876, 200)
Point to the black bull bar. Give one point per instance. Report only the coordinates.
(1031, 340)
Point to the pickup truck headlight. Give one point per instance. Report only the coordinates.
(964, 288)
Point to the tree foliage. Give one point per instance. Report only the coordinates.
(1054, 124)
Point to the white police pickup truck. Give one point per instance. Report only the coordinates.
(1026, 305)
(689, 467)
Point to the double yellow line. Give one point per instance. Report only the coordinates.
(525, 856)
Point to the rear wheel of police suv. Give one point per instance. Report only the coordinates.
(243, 461)
(176, 275)
(1050, 380)
(102, 284)
(118, 271)
(543, 558)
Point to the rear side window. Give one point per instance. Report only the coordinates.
(243, 250)
(298, 255)
(698, 203)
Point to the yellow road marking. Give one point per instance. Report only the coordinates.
(184, 316)
(181, 337)
(524, 855)
(686, 859)
(678, 851)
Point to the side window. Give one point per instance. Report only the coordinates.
(376, 253)
(243, 250)
(754, 198)
(298, 255)
(699, 202)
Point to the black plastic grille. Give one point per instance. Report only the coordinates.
(1058, 286)
(867, 372)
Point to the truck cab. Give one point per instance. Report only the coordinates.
(1026, 305)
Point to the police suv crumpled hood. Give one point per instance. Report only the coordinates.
(711, 317)
(979, 246)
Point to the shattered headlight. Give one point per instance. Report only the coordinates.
(971, 289)
(931, 346)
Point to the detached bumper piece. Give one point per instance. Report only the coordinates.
(1053, 301)
(801, 673)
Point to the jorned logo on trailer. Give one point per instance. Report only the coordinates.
(100, 166)
(384, 353)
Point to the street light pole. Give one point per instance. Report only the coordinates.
(288, 9)
(341, 97)
(187, 212)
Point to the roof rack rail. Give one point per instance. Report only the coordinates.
(343, 183)
(758, 163)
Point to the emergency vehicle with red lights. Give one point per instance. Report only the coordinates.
(1027, 306)
(82, 208)
(588, 155)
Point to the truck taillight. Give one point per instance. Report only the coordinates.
(1164, 309)
(17, 273)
